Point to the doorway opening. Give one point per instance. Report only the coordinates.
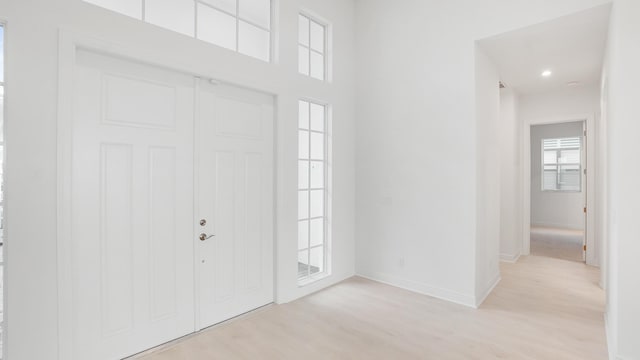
(547, 74)
(558, 191)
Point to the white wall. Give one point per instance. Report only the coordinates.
(551, 208)
(488, 175)
(31, 104)
(416, 141)
(511, 175)
(622, 76)
(564, 103)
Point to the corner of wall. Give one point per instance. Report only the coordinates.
(482, 296)
(424, 289)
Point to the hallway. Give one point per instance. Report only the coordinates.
(557, 243)
(543, 308)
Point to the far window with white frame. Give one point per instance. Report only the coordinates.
(561, 164)
(312, 191)
(239, 25)
(312, 47)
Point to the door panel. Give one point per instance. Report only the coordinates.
(132, 207)
(235, 196)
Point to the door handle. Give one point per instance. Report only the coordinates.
(204, 237)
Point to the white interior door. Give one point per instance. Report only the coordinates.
(132, 207)
(235, 198)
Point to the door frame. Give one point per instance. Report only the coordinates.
(593, 247)
(69, 42)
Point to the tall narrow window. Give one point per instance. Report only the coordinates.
(240, 25)
(561, 164)
(312, 191)
(312, 47)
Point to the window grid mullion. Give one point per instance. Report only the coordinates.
(311, 218)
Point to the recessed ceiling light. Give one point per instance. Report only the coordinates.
(546, 73)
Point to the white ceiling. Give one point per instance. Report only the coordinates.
(572, 47)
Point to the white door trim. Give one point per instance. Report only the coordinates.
(68, 44)
(592, 208)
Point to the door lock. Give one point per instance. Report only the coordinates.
(203, 222)
(204, 237)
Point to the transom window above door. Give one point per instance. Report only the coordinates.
(561, 164)
(239, 25)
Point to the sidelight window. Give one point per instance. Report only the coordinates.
(312, 191)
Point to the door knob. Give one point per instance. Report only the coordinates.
(204, 237)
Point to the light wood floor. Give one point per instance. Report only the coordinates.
(558, 243)
(542, 309)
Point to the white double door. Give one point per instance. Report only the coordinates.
(158, 159)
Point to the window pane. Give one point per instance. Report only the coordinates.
(303, 144)
(317, 174)
(317, 117)
(303, 30)
(303, 235)
(303, 264)
(216, 27)
(303, 114)
(226, 5)
(131, 8)
(317, 146)
(570, 156)
(570, 142)
(570, 177)
(317, 260)
(176, 15)
(303, 60)
(317, 37)
(317, 66)
(253, 41)
(550, 157)
(303, 205)
(317, 232)
(317, 203)
(303, 174)
(549, 180)
(256, 11)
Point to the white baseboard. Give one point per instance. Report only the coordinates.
(558, 226)
(510, 258)
(424, 289)
(488, 290)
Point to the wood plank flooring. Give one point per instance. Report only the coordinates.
(558, 243)
(543, 308)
